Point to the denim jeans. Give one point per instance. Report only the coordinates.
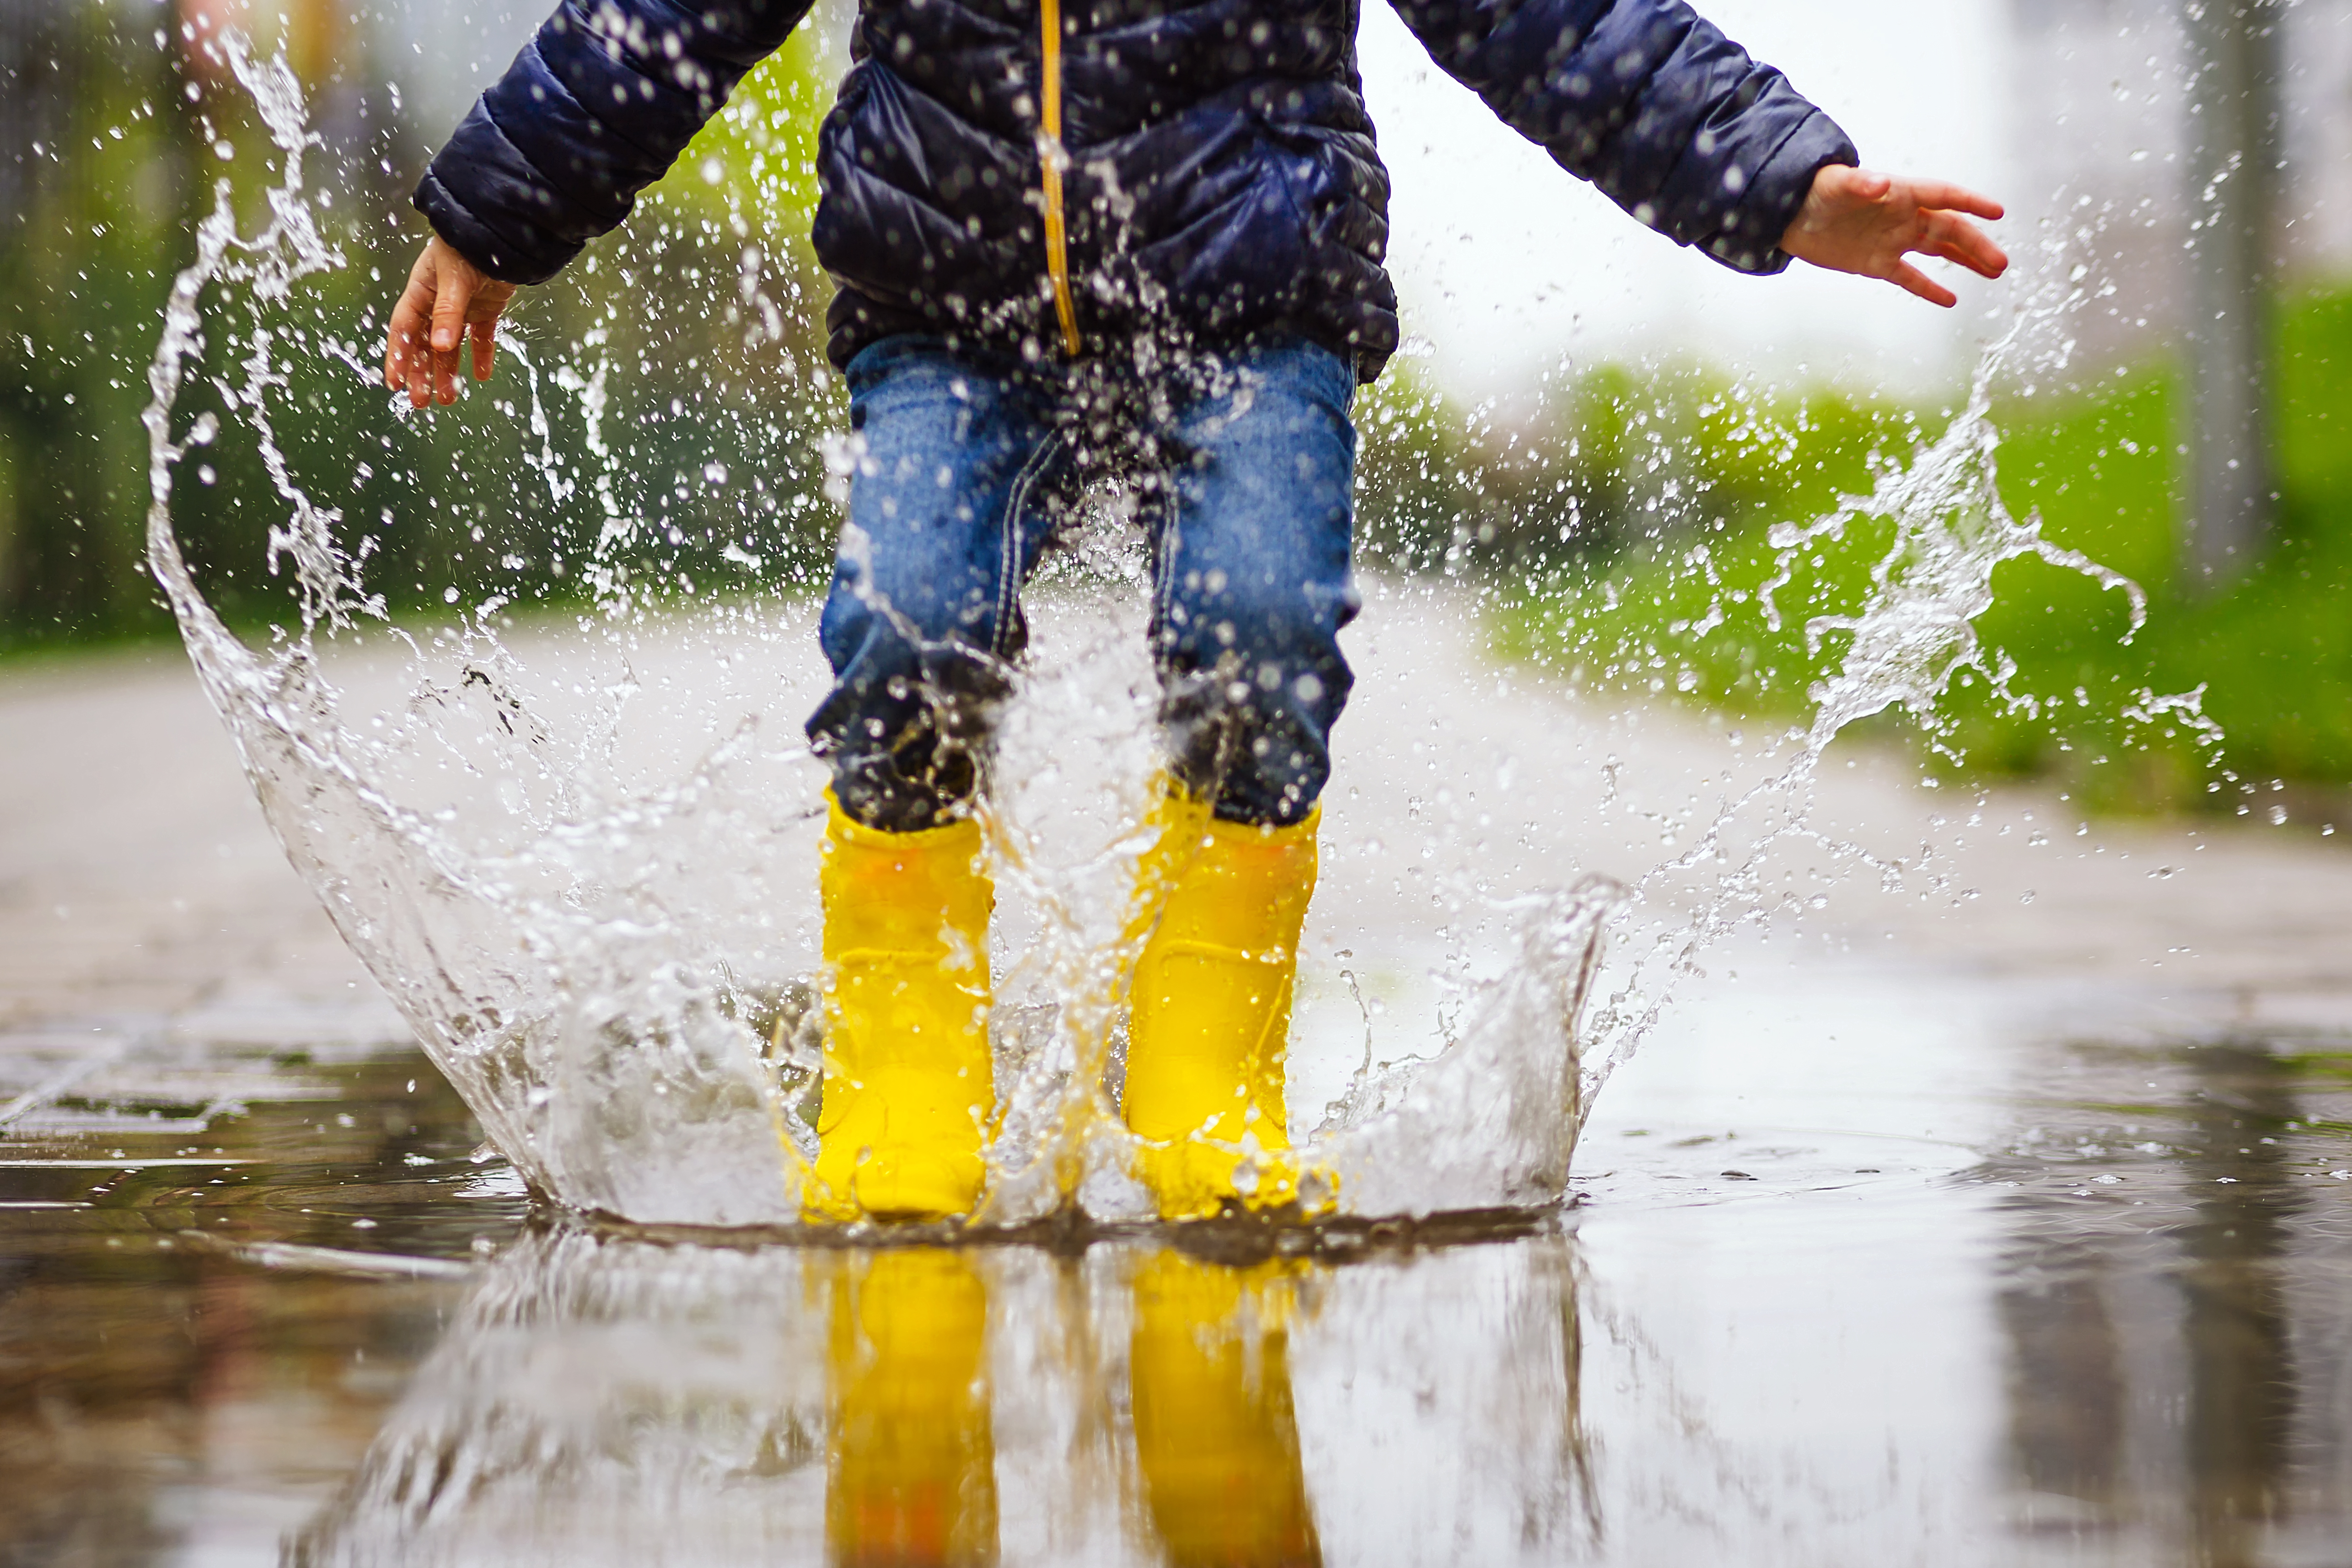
(1242, 464)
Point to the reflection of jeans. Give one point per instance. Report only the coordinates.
(1242, 465)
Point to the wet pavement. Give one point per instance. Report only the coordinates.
(1964, 1230)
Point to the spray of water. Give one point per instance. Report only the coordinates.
(1914, 636)
(603, 1056)
(598, 918)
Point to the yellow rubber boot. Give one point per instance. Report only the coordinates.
(908, 1092)
(911, 1463)
(1209, 1012)
(1215, 1434)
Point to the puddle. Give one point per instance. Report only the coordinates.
(1864, 1268)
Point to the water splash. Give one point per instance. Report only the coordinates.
(598, 919)
(613, 1070)
(1914, 636)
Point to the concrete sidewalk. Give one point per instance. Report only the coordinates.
(137, 879)
(138, 885)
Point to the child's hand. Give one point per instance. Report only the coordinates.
(454, 297)
(1858, 222)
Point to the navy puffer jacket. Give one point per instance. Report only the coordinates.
(1216, 174)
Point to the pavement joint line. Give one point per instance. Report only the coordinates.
(123, 1121)
(292, 1255)
(57, 1084)
(127, 1163)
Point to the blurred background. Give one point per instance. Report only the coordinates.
(1579, 404)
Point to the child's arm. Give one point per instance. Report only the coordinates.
(596, 108)
(1677, 125)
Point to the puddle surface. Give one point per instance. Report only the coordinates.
(1866, 1271)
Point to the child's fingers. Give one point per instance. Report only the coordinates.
(1939, 196)
(1957, 239)
(410, 359)
(404, 334)
(450, 305)
(1905, 275)
(402, 339)
(485, 347)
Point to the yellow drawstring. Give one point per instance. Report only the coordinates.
(1057, 244)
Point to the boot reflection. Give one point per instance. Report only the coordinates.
(1214, 1433)
(910, 1470)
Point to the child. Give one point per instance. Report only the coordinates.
(1139, 237)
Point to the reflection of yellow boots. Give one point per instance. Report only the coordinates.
(1214, 1433)
(908, 1088)
(1209, 1012)
(911, 1470)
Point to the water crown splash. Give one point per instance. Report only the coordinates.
(599, 920)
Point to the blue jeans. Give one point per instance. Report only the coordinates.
(1242, 465)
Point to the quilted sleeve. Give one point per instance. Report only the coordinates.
(597, 107)
(1651, 103)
